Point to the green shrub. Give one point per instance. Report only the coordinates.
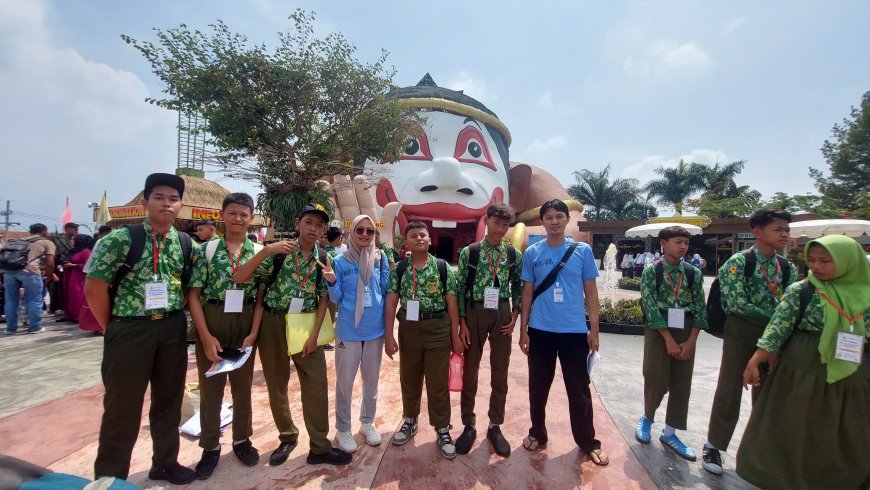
(632, 283)
(622, 312)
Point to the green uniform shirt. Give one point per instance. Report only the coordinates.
(288, 284)
(429, 291)
(130, 299)
(781, 325)
(216, 276)
(508, 287)
(657, 299)
(751, 297)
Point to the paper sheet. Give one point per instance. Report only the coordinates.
(591, 360)
(227, 365)
(193, 428)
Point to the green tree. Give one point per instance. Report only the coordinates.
(798, 203)
(285, 117)
(721, 196)
(599, 194)
(846, 189)
(675, 186)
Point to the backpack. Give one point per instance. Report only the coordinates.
(211, 248)
(715, 312)
(688, 270)
(134, 254)
(278, 262)
(442, 272)
(474, 259)
(13, 256)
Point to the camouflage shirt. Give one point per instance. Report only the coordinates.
(429, 291)
(783, 322)
(752, 298)
(216, 276)
(130, 299)
(288, 284)
(508, 287)
(657, 299)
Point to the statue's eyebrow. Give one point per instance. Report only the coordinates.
(471, 119)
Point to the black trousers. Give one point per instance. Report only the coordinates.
(571, 349)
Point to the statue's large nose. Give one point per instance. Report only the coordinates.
(445, 175)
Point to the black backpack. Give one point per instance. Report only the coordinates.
(13, 256)
(715, 312)
(688, 270)
(278, 262)
(134, 254)
(402, 266)
(474, 259)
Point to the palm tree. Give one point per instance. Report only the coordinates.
(596, 191)
(719, 180)
(676, 184)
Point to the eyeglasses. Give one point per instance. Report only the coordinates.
(365, 231)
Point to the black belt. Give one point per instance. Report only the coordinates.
(276, 311)
(247, 301)
(429, 315)
(154, 316)
(500, 300)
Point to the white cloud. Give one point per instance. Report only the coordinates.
(472, 86)
(540, 145)
(667, 59)
(643, 170)
(72, 126)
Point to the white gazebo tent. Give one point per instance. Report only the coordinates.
(820, 227)
(653, 229)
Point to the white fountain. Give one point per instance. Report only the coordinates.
(610, 275)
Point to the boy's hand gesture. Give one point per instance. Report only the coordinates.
(328, 272)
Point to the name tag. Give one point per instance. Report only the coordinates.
(490, 298)
(367, 300)
(296, 305)
(558, 295)
(676, 318)
(156, 296)
(234, 300)
(412, 310)
(849, 347)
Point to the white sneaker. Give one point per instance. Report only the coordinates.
(345, 441)
(373, 437)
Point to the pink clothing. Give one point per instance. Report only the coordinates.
(74, 285)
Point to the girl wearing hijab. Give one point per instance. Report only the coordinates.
(810, 427)
(696, 261)
(358, 285)
(74, 277)
(639, 262)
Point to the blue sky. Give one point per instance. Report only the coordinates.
(579, 84)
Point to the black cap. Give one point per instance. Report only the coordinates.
(168, 180)
(314, 208)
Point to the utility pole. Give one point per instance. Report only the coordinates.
(6, 214)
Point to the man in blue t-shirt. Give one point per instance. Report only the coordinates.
(554, 326)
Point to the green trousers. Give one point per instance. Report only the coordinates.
(486, 325)
(136, 353)
(664, 374)
(738, 345)
(230, 329)
(272, 344)
(424, 353)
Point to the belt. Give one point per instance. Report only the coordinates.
(500, 300)
(429, 315)
(247, 301)
(276, 311)
(154, 316)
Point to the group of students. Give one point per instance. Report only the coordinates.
(799, 345)
(243, 296)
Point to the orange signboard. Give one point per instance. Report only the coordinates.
(205, 213)
(125, 212)
(378, 224)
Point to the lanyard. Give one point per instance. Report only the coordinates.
(156, 254)
(299, 271)
(414, 275)
(493, 267)
(236, 261)
(677, 290)
(775, 278)
(850, 319)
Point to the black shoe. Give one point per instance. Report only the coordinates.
(499, 443)
(464, 442)
(175, 474)
(282, 453)
(328, 347)
(207, 463)
(711, 460)
(334, 456)
(247, 453)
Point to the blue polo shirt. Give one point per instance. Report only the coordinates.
(569, 316)
(343, 294)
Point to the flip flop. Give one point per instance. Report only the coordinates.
(598, 457)
(532, 444)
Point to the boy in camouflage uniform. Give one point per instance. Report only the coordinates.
(426, 333)
(483, 317)
(146, 337)
(749, 304)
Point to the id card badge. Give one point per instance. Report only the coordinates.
(490, 298)
(296, 305)
(676, 318)
(849, 347)
(367, 299)
(412, 310)
(234, 299)
(156, 296)
(558, 295)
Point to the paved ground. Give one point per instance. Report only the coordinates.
(53, 379)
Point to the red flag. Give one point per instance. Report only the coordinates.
(66, 217)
